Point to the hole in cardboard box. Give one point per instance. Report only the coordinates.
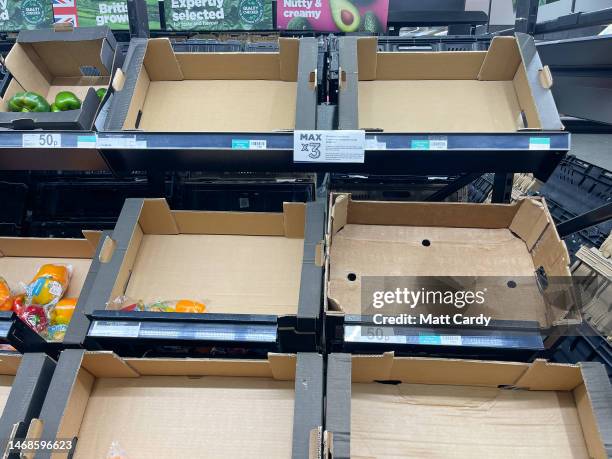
(352, 277)
(511, 284)
(426, 242)
(138, 117)
(390, 382)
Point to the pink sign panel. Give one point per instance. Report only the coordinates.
(333, 15)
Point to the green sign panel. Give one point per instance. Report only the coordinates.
(113, 14)
(16, 15)
(218, 14)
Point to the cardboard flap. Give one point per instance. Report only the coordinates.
(542, 375)
(289, 50)
(443, 214)
(93, 237)
(160, 61)
(369, 368)
(339, 212)
(46, 247)
(502, 60)
(107, 364)
(283, 366)
(445, 65)
(525, 98)
(294, 219)
(27, 68)
(231, 223)
(67, 58)
(550, 253)
(157, 218)
(530, 221)
(418, 370)
(229, 66)
(367, 49)
(9, 363)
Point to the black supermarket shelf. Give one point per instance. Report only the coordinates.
(452, 153)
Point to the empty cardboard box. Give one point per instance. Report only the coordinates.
(506, 248)
(503, 90)
(160, 90)
(385, 406)
(24, 380)
(21, 258)
(246, 263)
(167, 408)
(48, 61)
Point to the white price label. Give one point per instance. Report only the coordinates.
(329, 146)
(451, 340)
(438, 143)
(258, 144)
(120, 142)
(110, 328)
(42, 140)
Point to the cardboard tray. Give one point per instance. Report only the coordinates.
(252, 270)
(20, 259)
(488, 244)
(381, 405)
(156, 407)
(503, 90)
(47, 61)
(24, 380)
(160, 90)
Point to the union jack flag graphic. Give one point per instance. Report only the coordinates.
(65, 11)
(63, 3)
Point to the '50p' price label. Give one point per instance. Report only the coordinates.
(42, 140)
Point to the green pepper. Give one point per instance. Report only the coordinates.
(28, 102)
(54, 108)
(66, 100)
(101, 93)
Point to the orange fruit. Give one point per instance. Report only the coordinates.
(58, 273)
(62, 311)
(6, 301)
(189, 306)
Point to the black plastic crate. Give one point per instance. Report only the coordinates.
(586, 346)
(261, 47)
(84, 198)
(433, 43)
(14, 206)
(9, 229)
(391, 188)
(249, 195)
(197, 45)
(67, 229)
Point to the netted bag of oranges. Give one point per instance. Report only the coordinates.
(49, 285)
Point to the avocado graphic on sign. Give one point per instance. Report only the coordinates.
(16, 15)
(345, 15)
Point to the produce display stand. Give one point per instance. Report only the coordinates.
(27, 377)
(207, 396)
(357, 386)
(134, 332)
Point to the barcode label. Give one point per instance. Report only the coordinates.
(110, 328)
(438, 144)
(258, 144)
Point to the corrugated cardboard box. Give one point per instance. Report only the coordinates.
(503, 242)
(168, 408)
(23, 385)
(234, 262)
(386, 406)
(48, 61)
(20, 259)
(163, 91)
(504, 89)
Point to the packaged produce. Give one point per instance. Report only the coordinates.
(49, 284)
(56, 332)
(67, 100)
(62, 311)
(127, 304)
(36, 317)
(28, 102)
(18, 304)
(6, 301)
